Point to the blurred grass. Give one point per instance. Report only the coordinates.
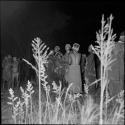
(87, 113)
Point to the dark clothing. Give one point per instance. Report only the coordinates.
(116, 74)
(90, 73)
(90, 69)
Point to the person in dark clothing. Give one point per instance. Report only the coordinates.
(90, 72)
(116, 74)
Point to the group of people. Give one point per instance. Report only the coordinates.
(67, 66)
(79, 69)
(74, 68)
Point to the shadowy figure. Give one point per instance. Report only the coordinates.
(7, 72)
(66, 62)
(83, 64)
(54, 67)
(90, 72)
(15, 73)
(57, 53)
(97, 70)
(59, 64)
(116, 74)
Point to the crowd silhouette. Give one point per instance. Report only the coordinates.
(73, 67)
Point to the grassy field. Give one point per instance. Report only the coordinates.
(85, 111)
(7, 109)
(42, 104)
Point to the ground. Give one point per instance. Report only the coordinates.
(6, 111)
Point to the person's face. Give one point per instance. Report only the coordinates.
(90, 49)
(67, 48)
(56, 49)
(122, 38)
(75, 49)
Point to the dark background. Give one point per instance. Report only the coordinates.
(55, 22)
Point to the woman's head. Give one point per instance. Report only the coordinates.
(90, 49)
(67, 47)
(57, 48)
(76, 47)
(122, 37)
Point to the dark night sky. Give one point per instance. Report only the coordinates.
(56, 23)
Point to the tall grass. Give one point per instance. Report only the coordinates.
(40, 55)
(106, 43)
(22, 110)
(68, 108)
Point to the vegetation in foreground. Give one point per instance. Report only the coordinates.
(68, 108)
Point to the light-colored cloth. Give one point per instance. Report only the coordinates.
(73, 75)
